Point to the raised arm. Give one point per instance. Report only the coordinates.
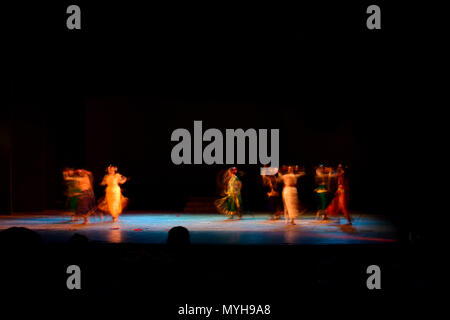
(122, 179)
(300, 174)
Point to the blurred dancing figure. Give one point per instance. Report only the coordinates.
(114, 202)
(80, 183)
(290, 194)
(231, 203)
(86, 200)
(271, 180)
(72, 191)
(341, 178)
(323, 176)
(339, 203)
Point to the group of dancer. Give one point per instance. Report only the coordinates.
(80, 193)
(283, 195)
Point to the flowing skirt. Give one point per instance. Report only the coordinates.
(322, 200)
(114, 202)
(337, 206)
(86, 202)
(229, 205)
(291, 202)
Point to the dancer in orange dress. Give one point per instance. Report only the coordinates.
(114, 202)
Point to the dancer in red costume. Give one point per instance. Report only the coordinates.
(339, 203)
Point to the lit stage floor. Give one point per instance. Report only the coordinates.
(208, 229)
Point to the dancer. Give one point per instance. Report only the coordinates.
(341, 178)
(114, 202)
(231, 203)
(86, 200)
(80, 183)
(72, 191)
(339, 203)
(323, 175)
(290, 194)
(270, 179)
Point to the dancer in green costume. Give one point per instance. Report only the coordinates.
(231, 203)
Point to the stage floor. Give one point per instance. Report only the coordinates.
(208, 229)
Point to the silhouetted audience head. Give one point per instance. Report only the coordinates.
(78, 240)
(19, 238)
(178, 238)
(22, 252)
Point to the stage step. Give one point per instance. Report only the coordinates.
(200, 205)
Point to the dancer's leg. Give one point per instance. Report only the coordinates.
(347, 215)
(293, 221)
(318, 214)
(238, 208)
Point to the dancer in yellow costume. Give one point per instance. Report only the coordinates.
(114, 202)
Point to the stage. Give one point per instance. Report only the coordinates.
(253, 229)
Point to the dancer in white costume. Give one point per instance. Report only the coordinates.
(290, 194)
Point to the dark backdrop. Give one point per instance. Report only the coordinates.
(134, 132)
